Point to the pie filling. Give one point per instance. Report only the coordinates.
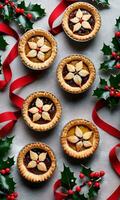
(41, 110)
(81, 22)
(38, 49)
(75, 73)
(37, 161)
(80, 138)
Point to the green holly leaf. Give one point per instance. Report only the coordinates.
(116, 44)
(6, 163)
(102, 2)
(5, 145)
(68, 179)
(3, 43)
(115, 81)
(112, 102)
(85, 170)
(118, 24)
(77, 196)
(7, 184)
(93, 192)
(24, 23)
(0, 65)
(108, 65)
(106, 50)
(7, 13)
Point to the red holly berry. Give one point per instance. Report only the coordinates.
(114, 54)
(7, 1)
(29, 16)
(89, 183)
(1, 6)
(81, 175)
(17, 10)
(7, 170)
(12, 4)
(15, 194)
(118, 57)
(112, 93)
(78, 188)
(97, 175)
(118, 94)
(22, 10)
(12, 197)
(8, 197)
(70, 192)
(3, 172)
(117, 66)
(102, 173)
(106, 87)
(117, 34)
(92, 174)
(97, 185)
(112, 88)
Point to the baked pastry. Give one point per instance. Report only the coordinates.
(41, 111)
(80, 138)
(37, 49)
(36, 162)
(76, 73)
(81, 21)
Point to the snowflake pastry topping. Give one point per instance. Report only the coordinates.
(80, 139)
(37, 161)
(81, 20)
(40, 110)
(38, 49)
(76, 73)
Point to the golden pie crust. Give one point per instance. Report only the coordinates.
(25, 173)
(93, 11)
(46, 126)
(84, 153)
(33, 33)
(78, 89)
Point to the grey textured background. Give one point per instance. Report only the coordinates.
(73, 107)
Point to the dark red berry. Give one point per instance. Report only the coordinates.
(114, 54)
(97, 185)
(8, 197)
(118, 94)
(7, 170)
(15, 194)
(22, 10)
(17, 10)
(97, 174)
(117, 34)
(102, 173)
(12, 197)
(112, 88)
(117, 66)
(81, 175)
(12, 4)
(112, 93)
(3, 172)
(78, 189)
(70, 192)
(106, 87)
(118, 57)
(1, 6)
(7, 1)
(89, 183)
(92, 175)
(29, 16)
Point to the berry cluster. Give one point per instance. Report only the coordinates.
(94, 181)
(113, 91)
(5, 171)
(116, 56)
(17, 10)
(12, 196)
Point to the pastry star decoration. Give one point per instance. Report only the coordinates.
(38, 49)
(80, 139)
(76, 73)
(37, 161)
(81, 20)
(40, 110)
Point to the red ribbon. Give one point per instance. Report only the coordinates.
(58, 195)
(56, 13)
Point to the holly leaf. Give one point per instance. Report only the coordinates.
(85, 170)
(5, 145)
(116, 44)
(68, 179)
(3, 43)
(106, 50)
(7, 12)
(36, 11)
(6, 163)
(102, 2)
(77, 196)
(118, 24)
(24, 23)
(7, 184)
(108, 65)
(0, 65)
(112, 102)
(115, 81)
(93, 192)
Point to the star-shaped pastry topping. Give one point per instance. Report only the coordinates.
(38, 49)
(81, 20)
(40, 110)
(76, 73)
(80, 139)
(37, 161)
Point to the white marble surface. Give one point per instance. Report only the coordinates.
(73, 107)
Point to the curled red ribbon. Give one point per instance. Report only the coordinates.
(58, 195)
(56, 13)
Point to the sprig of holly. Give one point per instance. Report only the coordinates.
(112, 52)
(3, 45)
(87, 178)
(109, 90)
(104, 3)
(7, 184)
(24, 15)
